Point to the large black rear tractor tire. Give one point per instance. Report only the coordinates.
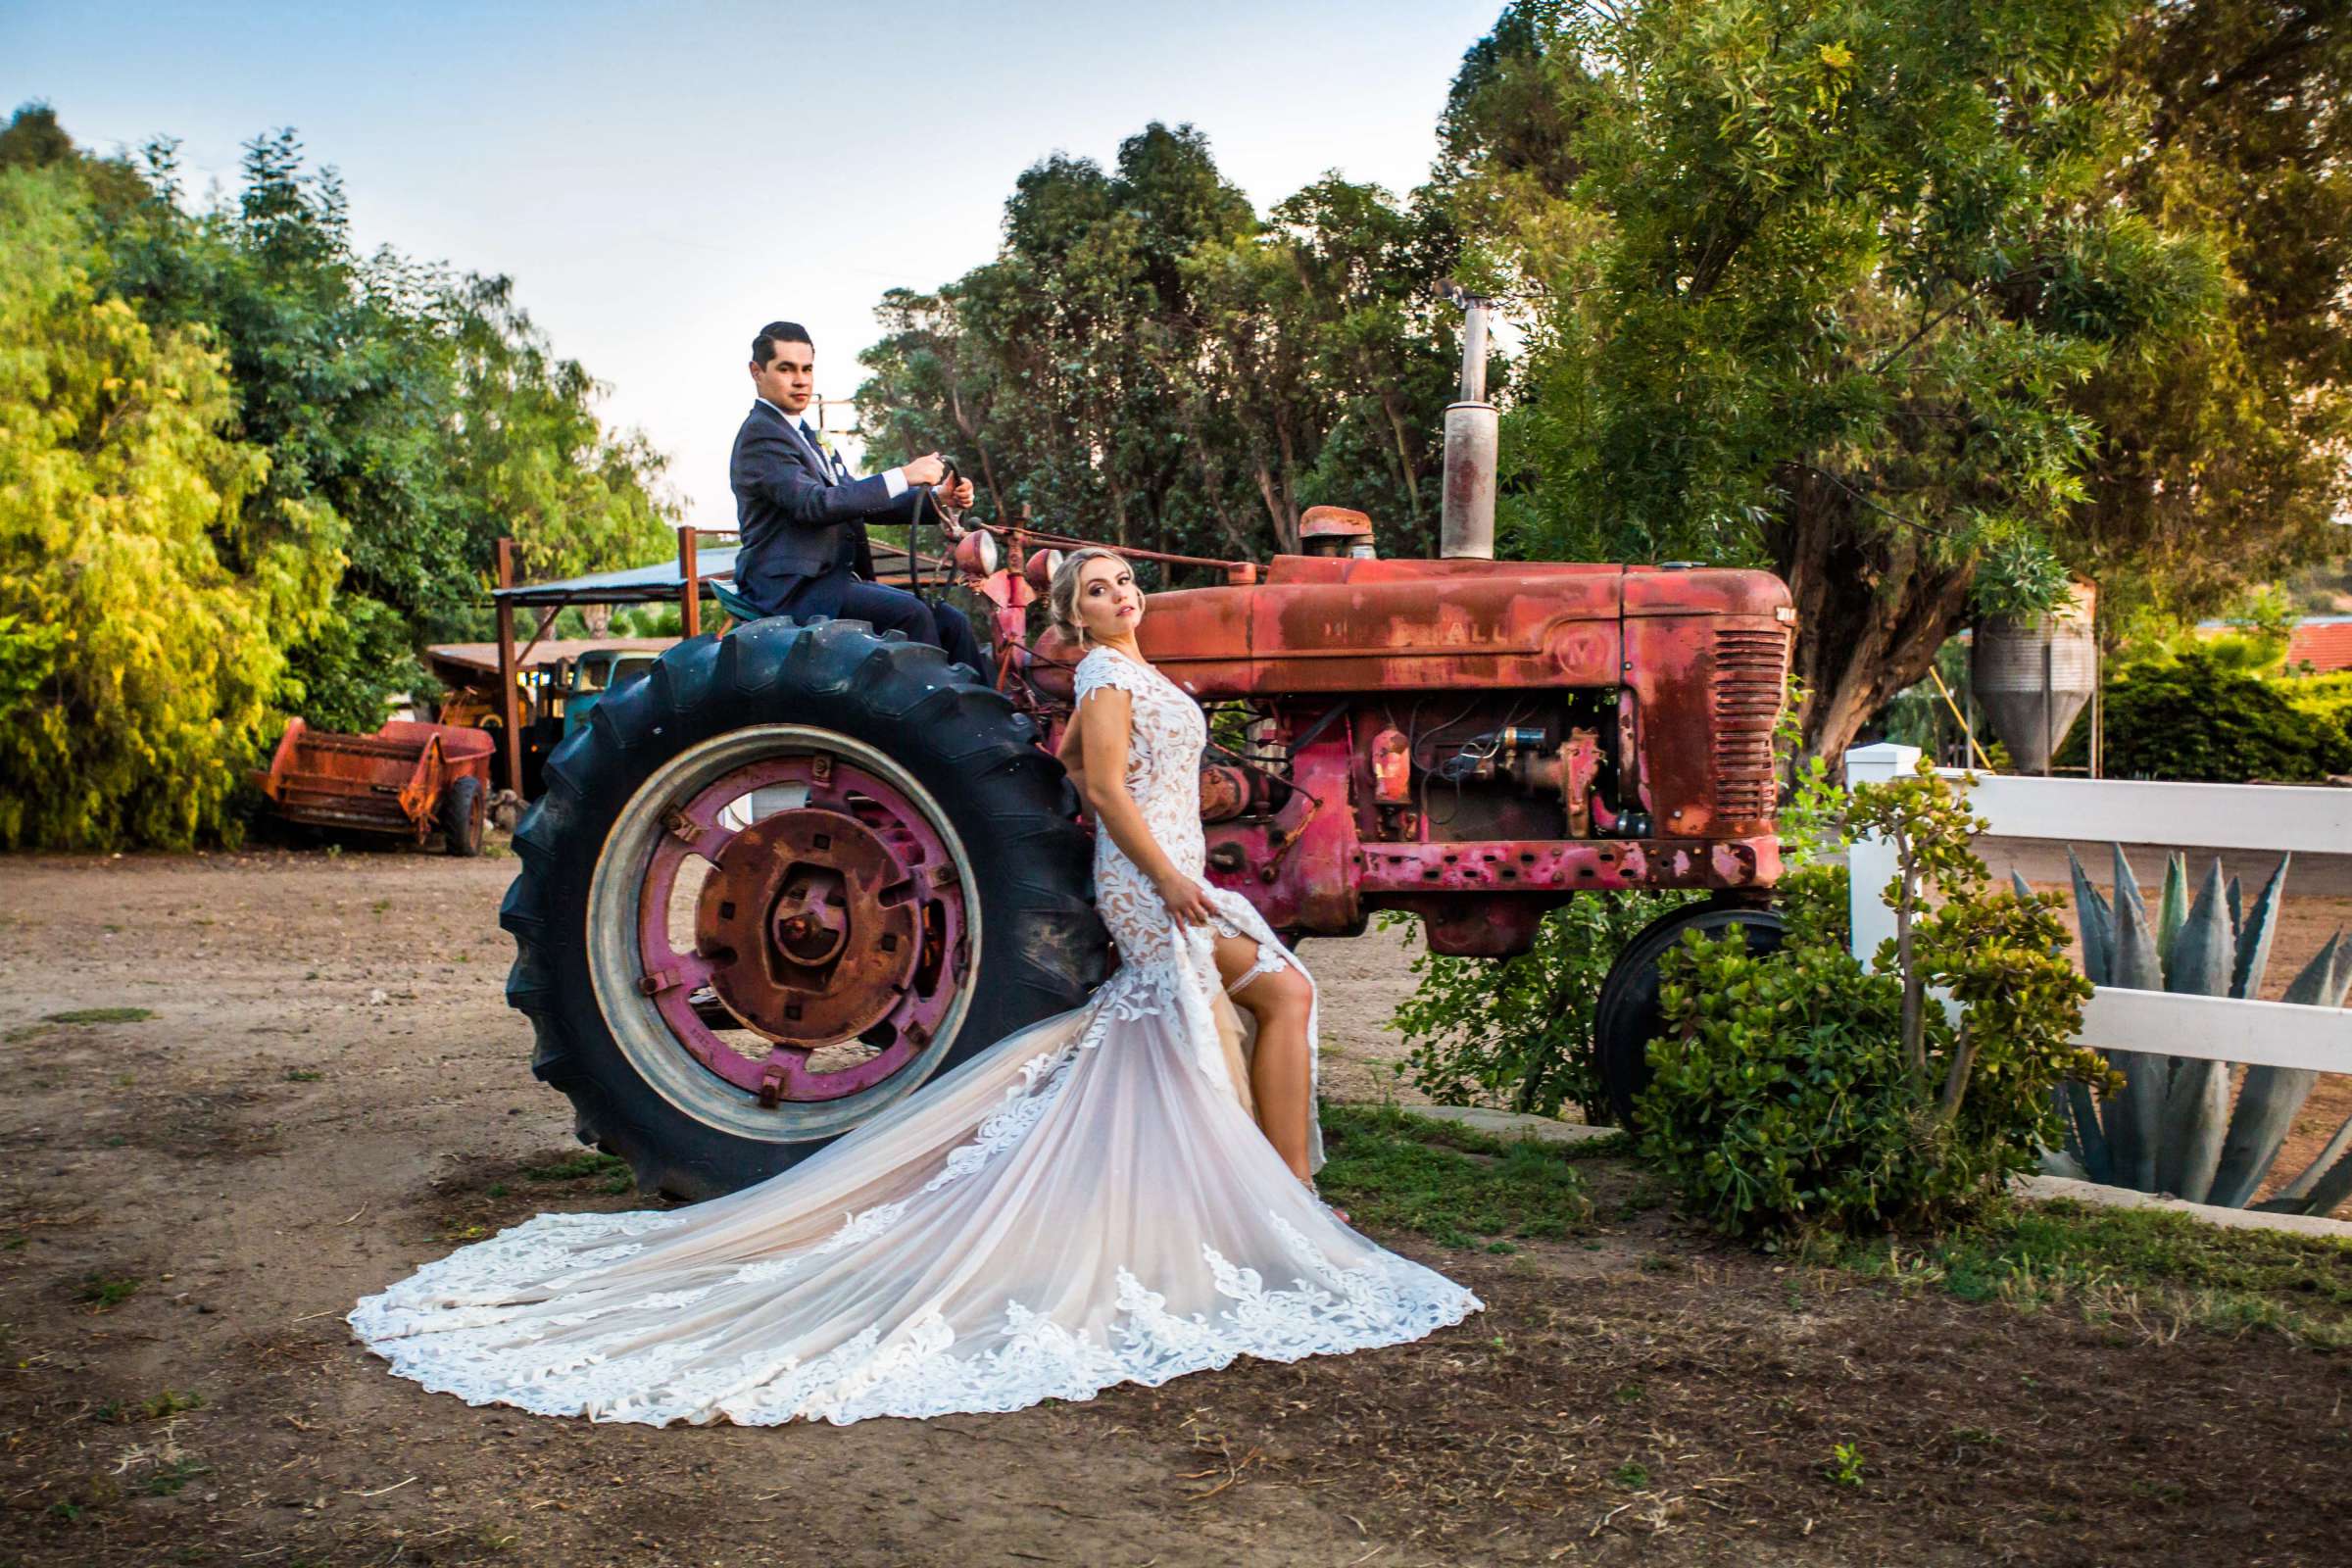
(1005, 810)
(1626, 1018)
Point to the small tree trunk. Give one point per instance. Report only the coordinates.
(1955, 1081)
(1871, 608)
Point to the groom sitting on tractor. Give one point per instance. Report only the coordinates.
(803, 518)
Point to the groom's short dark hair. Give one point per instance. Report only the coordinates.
(763, 347)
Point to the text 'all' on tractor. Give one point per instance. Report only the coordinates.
(799, 869)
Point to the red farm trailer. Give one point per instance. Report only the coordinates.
(405, 780)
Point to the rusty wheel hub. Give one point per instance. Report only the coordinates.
(838, 917)
(812, 926)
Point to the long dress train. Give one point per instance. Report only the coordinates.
(1083, 1203)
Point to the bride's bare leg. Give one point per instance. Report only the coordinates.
(1280, 1076)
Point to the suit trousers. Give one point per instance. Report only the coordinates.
(846, 597)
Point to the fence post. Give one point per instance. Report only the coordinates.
(1870, 862)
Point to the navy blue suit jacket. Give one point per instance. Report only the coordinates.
(799, 520)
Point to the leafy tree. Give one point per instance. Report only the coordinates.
(2223, 461)
(1146, 360)
(529, 457)
(351, 435)
(1815, 285)
(144, 617)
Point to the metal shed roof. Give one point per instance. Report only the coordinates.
(661, 582)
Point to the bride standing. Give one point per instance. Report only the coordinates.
(1087, 1201)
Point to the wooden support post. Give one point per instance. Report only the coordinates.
(510, 706)
(690, 607)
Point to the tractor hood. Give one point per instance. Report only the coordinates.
(1321, 624)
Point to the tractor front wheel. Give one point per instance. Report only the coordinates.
(780, 883)
(1627, 1019)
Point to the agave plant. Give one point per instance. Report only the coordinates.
(2173, 1128)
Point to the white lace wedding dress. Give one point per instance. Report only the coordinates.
(1085, 1202)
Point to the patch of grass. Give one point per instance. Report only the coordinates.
(618, 1177)
(102, 1015)
(303, 1075)
(1631, 1477)
(106, 1291)
(2131, 1265)
(1454, 1184)
(380, 907)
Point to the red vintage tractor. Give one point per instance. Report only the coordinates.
(800, 870)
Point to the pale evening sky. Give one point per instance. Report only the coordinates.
(659, 180)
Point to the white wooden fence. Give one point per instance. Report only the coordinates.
(2101, 812)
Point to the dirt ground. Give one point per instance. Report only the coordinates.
(331, 1091)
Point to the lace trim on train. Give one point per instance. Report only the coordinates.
(1328, 1310)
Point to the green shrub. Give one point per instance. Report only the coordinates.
(1518, 1031)
(1802, 1089)
(2201, 716)
(2327, 698)
(343, 678)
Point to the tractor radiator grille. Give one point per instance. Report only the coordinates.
(1749, 668)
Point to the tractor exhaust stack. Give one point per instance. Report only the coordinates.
(1466, 527)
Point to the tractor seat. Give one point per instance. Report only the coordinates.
(733, 602)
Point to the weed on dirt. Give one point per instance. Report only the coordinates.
(103, 1292)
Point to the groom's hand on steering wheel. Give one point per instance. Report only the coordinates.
(932, 469)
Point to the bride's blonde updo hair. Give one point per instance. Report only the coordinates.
(1062, 598)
